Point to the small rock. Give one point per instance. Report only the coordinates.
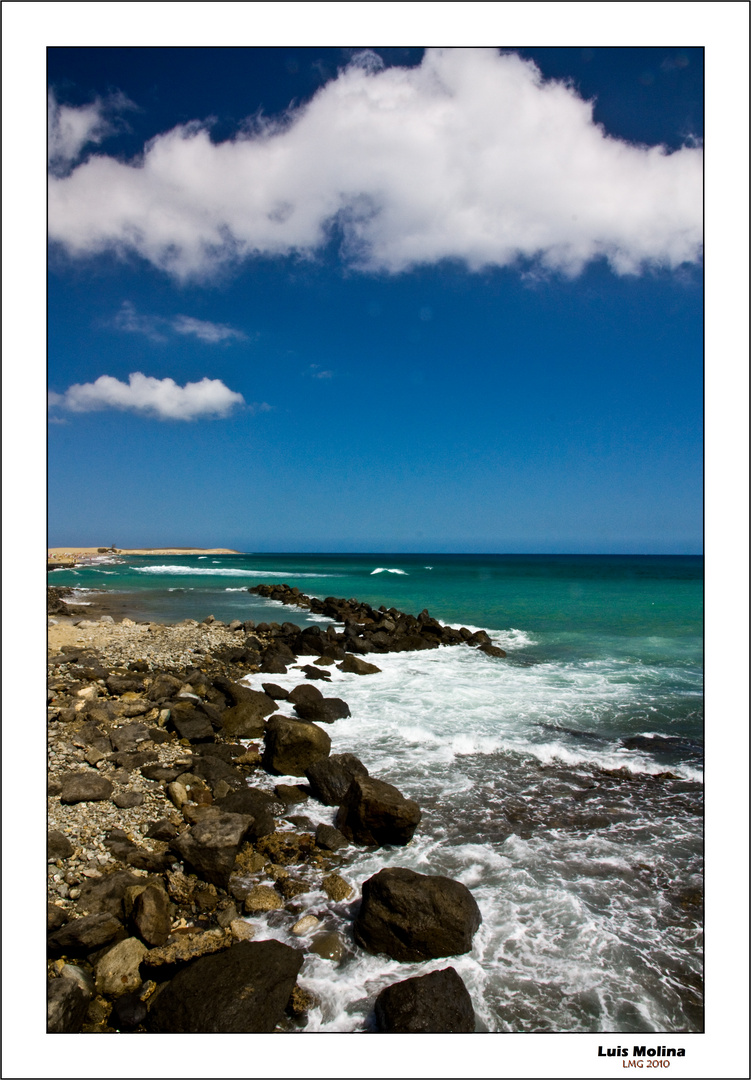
(66, 1007)
(118, 970)
(305, 925)
(329, 946)
(124, 800)
(241, 930)
(355, 666)
(336, 888)
(85, 787)
(262, 898)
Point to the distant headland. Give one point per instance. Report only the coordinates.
(67, 556)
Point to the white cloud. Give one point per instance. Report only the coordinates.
(70, 128)
(161, 398)
(157, 327)
(209, 332)
(470, 156)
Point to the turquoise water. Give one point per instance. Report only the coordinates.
(584, 856)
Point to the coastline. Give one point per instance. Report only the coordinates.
(59, 551)
(151, 736)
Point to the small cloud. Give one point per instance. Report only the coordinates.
(71, 128)
(316, 372)
(672, 63)
(158, 328)
(160, 398)
(206, 331)
(129, 320)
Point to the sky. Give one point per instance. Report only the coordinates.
(376, 299)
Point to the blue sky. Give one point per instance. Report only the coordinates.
(421, 302)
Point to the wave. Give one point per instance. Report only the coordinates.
(201, 570)
(388, 570)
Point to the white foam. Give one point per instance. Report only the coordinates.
(223, 572)
(388, 570)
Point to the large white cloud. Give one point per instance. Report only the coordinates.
(470, 156)
(161, 398)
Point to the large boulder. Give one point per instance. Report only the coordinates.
(292, 746)
(211, 846)
(330, 777)
(325, 711)
(432, 1004)
(243, 989)
(410, 916)
(374, 812)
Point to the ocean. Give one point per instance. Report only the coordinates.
(562, 785)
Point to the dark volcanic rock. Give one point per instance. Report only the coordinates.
(191, 723)
(122, 684)
(410, 916)
(214, 769)
(373, 812)
(243, 989)
(66, 1007)
(312, 672)
(92, 735)
(211, 846)
(245, 721)
(330, 777)
(84, 935)
(56, 917)
(151, 915)
(278, 693)
(325, 711)
(292, 746)
(105, 895)
(128, 1012)
(330, 838)
(304, 692)
(163, 829)
(237, 693)
(273, 664)
(164, 687)
(257, 804)
(433, 1004)
(58, 845)
(122, 847)
(128, 736)
(354, 665)
(491, 650)
(85, 787)
(124, 800)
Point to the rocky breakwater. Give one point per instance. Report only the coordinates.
(379, 631)
(170, 849)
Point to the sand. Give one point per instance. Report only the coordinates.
(58, 552)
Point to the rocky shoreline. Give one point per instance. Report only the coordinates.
(167, 833)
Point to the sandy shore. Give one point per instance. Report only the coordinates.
(58, 552)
